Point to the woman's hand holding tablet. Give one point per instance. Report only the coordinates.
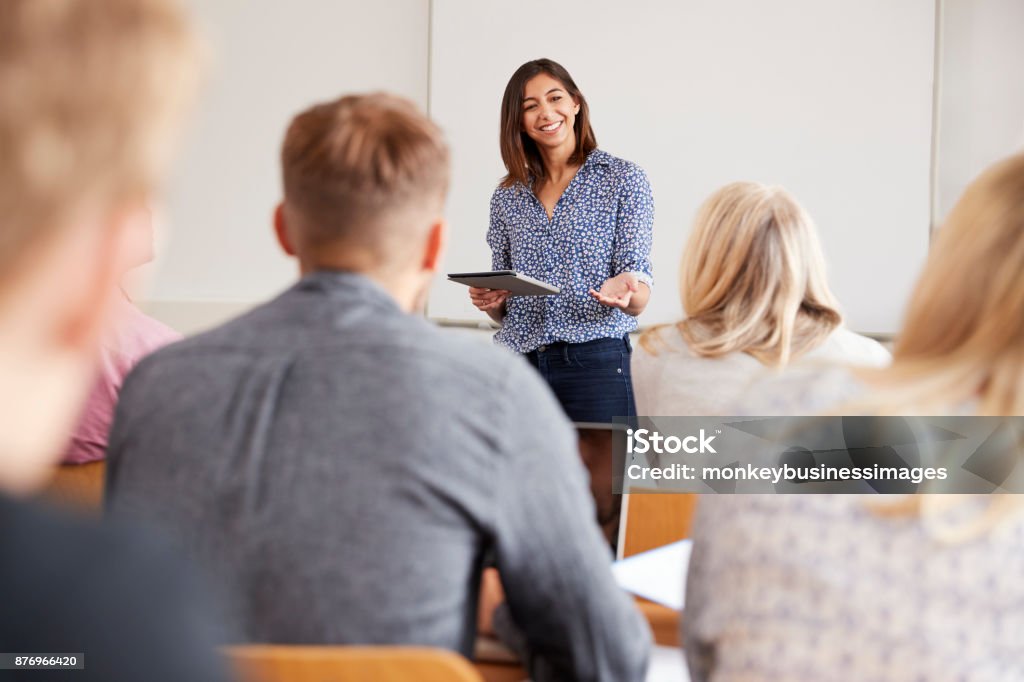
(487, 300)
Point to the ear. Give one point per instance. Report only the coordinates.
(433, 251)
(281, 230)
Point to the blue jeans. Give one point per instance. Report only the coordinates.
(591, 380)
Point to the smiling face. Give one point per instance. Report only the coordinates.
(549, 113)
(544, 118)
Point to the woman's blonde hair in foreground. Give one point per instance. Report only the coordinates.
(90, 93)
(752, 278)
(962, 342)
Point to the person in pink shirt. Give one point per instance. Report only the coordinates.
(133, 336)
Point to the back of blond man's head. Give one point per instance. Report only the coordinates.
(89, 92)
(364, 177)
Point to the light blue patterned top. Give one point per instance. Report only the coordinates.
(601, 227)
(831, 587)
(825, 587)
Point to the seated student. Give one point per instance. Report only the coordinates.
(89, 92)
(345, 466)
(753, 287)
(827, 586)
(132, 336)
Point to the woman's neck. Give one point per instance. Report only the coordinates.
(557, 167)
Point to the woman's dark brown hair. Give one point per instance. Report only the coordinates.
(520, 154)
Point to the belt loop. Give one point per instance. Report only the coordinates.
(565, 352)
(629, 346)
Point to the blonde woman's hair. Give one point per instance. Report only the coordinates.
(752, 278)
(89, 92)
(962, 344)
(962, 341)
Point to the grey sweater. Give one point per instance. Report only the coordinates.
(343, 468)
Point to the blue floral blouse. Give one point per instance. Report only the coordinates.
(601, 227)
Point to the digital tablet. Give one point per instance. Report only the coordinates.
(510, 280)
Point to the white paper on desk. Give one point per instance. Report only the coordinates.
(658, 574)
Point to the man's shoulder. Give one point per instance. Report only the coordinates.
(197, 354)
(229, 334)
(286, 324)
(408, 343)
(466, 354)
(460, 371)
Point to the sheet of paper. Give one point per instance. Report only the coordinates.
(667, 665)
(658, 574)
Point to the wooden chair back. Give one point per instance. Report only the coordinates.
(655, 519)
(79, 486)
(280, 663)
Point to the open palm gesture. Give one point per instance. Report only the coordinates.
(617, 292)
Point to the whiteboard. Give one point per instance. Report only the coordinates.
(981, 103)
(269, 60)
(830, 98)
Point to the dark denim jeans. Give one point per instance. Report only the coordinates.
(591, 380)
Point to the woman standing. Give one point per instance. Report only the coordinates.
(572, 215)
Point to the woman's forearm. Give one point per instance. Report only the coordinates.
(498, 314)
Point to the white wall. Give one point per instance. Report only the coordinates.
(270, 59)
(981, 105)
(829, 98)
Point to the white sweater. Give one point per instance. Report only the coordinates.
(676, 382)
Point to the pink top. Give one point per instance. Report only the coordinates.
(137, 335)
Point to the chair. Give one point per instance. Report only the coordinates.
(655, 519)
(79, 486)
(289, 663)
